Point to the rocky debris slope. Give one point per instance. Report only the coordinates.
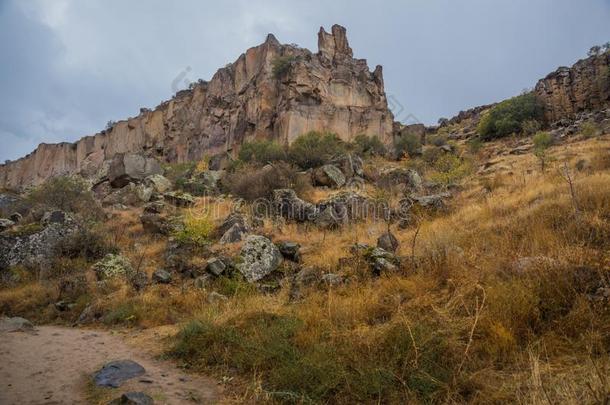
(271, 91)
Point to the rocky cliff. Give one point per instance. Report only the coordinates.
(271, 91)
(583, 87)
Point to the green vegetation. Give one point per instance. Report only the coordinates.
(449, 169)
(262, 152)
(542, 141)
(368, 145)
(315, 149)
(66, 193)
(509, 116)
(408, 145)
(197, 230)
(589, 129)
(252, 182)
(281, 65)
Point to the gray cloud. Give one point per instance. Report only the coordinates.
(70, 66)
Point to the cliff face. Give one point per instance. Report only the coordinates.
(272, 91)
(584, 86)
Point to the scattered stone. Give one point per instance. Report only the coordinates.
(161, 276)
(215, 298)
(6, 224)
(133, 398)
(16, 324)
(116, 373)
(182, 200)
(139, 280)
(435, 202)
(130, 195)
(527, 263)
(16, 217)
(289, 206)
(127, 168)
(203, 281)
(160, 224)
(156, 207)
(216, 266)
(234, 234)
(63, 306)
(290, 251)
(388, 242)
(329, 176)
(158, 183)
(332, 280)
(259, 257)
(112, 266)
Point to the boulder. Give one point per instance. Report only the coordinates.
(259, 257)
(388, 242)
(158, 183)
(216, 298)
(329, 176)
(332, 280)
(133, 398)
(289, 206)
(6, 224)
(216, 266)
(161, 276)
(130, 195)
(379, 260)
(138, 280)
(15, 324)
(115, 373)
(350, 165)
(290, 251)
(16, 217)
(112, 266)
(128, 168)
(160, 224)
(156, 207)
(234, 234)
(433, 202)
(182, 200)
(406, 178)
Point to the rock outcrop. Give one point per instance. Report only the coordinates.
(583, 87)
(271, 91)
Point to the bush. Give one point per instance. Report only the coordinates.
(251, 183)
(197, 230)
(315, 149)
(589, 129)
(368, 145)
(407, 144)
(281, 64)
(66, 193)
(262, 151)
(450, 169)
(86, 244)
(437, 140)
(509, 116)
(542, 141)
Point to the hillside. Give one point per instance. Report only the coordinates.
(331, 255)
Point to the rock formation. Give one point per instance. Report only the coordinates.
(583, 87)
(271, 91)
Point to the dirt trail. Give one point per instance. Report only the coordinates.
(53, 364)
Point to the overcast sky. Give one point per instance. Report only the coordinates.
(69, 66)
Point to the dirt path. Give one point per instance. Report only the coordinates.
(53, 366)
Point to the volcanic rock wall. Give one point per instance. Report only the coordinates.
(271, 91)
(583, 87)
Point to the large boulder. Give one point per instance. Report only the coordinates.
(351, 165)
(130, 195)
(182, 200)
(434, 202)
(233, 229)
(126, 168)
(35, 244)
(258, 258)
(289, 206)
(158, 183)
(408, 179)
(329, 176)
(388, 242)
(6, 224)
(112, 266)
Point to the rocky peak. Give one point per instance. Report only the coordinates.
(334, 45)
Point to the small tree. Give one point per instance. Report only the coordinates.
(408, 144)
(315, 149)
(368, 145)
(110, 124)
(262, 151)
(542, 141)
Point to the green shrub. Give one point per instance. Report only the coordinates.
(368, 145)
(197, 230)
(437, 139)
(407, 144)
(262, 151)
(589, 129)
(88, 244)
(509, 116)
(281, 64)
(450, 169)
(66, 193)
(542, 141)
(475, 144)
(315, 149)
(530, 127)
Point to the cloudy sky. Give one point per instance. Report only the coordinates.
(69, 66)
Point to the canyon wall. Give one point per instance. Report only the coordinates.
(583, 87)
(272, 91)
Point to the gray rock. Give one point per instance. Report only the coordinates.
(183, 200)
(216, 266)
(158, 183)
(289, 206)
(331, 279)
(160, 224)
(290, 251)
(215, 298)
(116, 373)
(234, 234)
(144, 192)
(139, 280)
(435, 202)
(161, 276)
(155, 207)
(126, 168)
(130, 195)
(231, 220)
(16, 217)
(6, 224)
(112, 266)
(203, 281)
(329, 176)
(388, 242)
(133, 398)
(350, 165)
(259, 257)
(15, 324)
